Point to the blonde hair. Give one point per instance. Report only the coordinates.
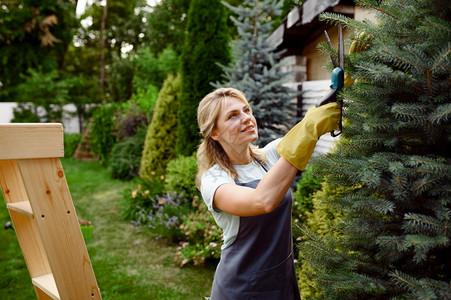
(210, 151)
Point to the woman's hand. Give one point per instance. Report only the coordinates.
(298, 144)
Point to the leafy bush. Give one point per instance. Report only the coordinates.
(25, 113)
(310, 211)
(45, 92)
(125, 156)
(161, 139)
(146, 99)
(141, 197)
(180, 179)
(305, 189)
(164, 217)
(102, 131)
(129, 119)
(181, 176)
(71, 141)
(203, 238)
(322, 220)
(151, 70)
(120, 79)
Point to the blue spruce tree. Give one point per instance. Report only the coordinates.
(256, 68)
(393, 168)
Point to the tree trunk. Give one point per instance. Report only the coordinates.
(102, 46)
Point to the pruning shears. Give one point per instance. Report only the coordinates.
(337, 78)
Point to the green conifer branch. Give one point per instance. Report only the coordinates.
(423, 223)
(407, 281)
(439, 26)
(442, 114)
(374, 4)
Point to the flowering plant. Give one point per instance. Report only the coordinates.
(143, 196)
(202, 239)
(164, 216)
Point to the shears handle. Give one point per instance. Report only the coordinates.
(337, 83)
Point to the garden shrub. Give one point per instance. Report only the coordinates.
(141, 197)
(164, 217)
(203, 238)
(181, 176)
(306, 187)
(102, 131)
(394, 240)
(25, 113)
(146, 99)
(71, 141)
(161, 138)
(151, 70)
(129, 119)
(321, 220)
(125, 156)
(120, 79)
(306, 282)
(45, 92)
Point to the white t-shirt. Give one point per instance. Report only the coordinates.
(216, 176)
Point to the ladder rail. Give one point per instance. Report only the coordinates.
(40, 205)
(26, 228)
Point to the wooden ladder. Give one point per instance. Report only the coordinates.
(42, 212)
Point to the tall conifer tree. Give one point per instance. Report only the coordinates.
(206, 44)
(256, 68)
(394, 166)
(159, 146)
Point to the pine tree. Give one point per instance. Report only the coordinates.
(256, 67)
(393, 167)
(206, 44)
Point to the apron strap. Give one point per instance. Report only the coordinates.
(261, 163)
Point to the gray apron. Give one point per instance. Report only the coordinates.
(259, 264)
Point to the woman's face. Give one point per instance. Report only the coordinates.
(235, 124)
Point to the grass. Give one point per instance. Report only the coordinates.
(128, 264)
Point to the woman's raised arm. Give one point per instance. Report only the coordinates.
(244, 201)
(295, 149)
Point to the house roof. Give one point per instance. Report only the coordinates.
(302, 25)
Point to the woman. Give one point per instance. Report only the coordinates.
(247, 191)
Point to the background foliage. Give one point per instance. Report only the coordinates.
(102, 131)
(33, 36)
(125, 156)
(207, 25)
(71, 142)
(153, 69)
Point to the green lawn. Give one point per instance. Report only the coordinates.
(127, 264)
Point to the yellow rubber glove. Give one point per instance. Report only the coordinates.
(298, 144)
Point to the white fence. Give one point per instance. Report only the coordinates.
(70, 119)
(313, 91)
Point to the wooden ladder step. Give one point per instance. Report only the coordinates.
(46, 283)
(22, 207)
